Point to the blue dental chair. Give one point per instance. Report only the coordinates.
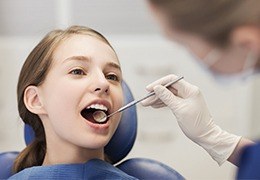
(118, 147)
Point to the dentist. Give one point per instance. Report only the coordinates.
(224, 35)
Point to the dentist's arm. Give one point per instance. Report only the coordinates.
(235, 156)
(188, 105)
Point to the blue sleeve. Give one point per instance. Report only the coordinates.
(249, 164)
(93, 169)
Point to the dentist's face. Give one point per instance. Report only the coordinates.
(85, 76)
(229, 60)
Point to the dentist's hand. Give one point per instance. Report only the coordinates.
(188, 105)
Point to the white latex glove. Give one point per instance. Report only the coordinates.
(193, 116)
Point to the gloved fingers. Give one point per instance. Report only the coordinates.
(160, 104)
(149, 101)
(183, 88)
(167, 97)
(153, 101)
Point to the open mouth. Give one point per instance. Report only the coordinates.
(95, 113)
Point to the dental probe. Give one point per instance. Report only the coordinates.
(137, 101)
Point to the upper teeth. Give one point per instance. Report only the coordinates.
(97, 106)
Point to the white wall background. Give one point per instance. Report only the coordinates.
(145, 56)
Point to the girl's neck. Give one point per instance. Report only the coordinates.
(71, 156)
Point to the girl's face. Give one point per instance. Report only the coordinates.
(85, 76)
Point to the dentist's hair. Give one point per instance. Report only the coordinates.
(211, 20)
(34, 72)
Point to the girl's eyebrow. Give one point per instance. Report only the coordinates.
(87, 59)
(113, 65)
(80, 58)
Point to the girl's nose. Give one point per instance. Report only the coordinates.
(100, 84)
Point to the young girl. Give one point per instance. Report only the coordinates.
(68, 76)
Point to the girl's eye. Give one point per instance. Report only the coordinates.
(77, 72)
(112, 77)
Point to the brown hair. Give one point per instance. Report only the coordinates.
(212, 20)
(34, 72)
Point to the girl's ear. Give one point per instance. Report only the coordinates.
(32, 100)
(247, 36)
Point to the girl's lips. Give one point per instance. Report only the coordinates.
(102, 127)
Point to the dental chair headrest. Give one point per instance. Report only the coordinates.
(124, 137)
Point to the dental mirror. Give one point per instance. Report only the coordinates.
(99, 116)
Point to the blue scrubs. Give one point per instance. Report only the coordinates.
(249, 164)
(93, 169)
